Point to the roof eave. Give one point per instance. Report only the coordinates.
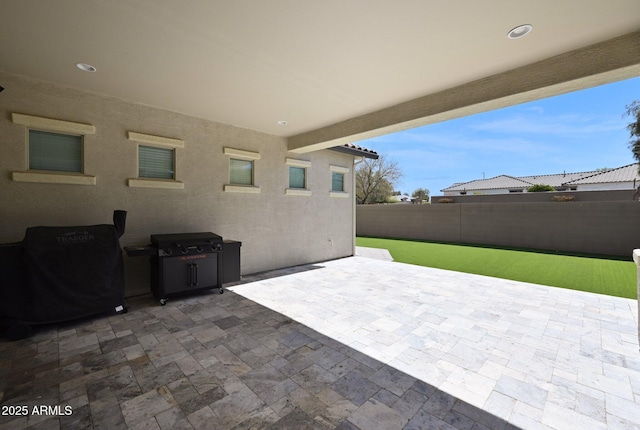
(356, 152)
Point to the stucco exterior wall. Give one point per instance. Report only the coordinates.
(276, 230)
(610, 228)
(608, 186)
(497, 191)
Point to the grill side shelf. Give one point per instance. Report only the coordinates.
(140, 251)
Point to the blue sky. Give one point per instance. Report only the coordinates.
(575, 132)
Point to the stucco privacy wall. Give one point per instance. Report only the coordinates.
(547, 196)
(276, 230)
(611, 228)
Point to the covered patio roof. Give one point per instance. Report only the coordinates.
(322, 74)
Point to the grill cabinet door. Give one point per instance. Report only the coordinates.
(189, 272)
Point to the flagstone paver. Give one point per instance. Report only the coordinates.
(348, 344)
(531, 355)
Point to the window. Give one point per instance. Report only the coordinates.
(55, 152)
(337, 181)
(338, 186)
(240, 172)
(297, 177)
(156, 161)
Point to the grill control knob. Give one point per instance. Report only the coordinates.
(168, 251)
(199, 249)
(185, 250)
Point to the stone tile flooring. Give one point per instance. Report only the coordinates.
(534, 356)
(350, 344)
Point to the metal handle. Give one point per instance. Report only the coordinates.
(193, 275)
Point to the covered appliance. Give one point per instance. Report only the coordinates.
(61, 273)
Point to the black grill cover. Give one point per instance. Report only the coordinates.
(73, 271)
(15, 294)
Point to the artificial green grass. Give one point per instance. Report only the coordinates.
(609, 276)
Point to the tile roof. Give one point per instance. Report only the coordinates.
(350, 148)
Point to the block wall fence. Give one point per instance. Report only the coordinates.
(593, 227)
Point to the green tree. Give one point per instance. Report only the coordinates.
(421, 194)
(375, 180)
(633, 110)
(539, 188)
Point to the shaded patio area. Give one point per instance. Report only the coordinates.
(351, 343)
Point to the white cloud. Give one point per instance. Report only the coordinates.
(564, 125)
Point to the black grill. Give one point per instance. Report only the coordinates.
(186, 243)
(185, 263)
(182, 263)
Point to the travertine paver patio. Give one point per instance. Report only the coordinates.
(535, 356)
(354, 343)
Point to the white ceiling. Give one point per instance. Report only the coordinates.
(313, 63)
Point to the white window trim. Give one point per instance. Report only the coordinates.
(344, 171)
(160, 142)
(242, 155)
(155, 183)
(53, 178)
(297, 192)
(163, 142)
(57, 126)
(338, 169)
(297, 163)
(241, 189)
(339, 194)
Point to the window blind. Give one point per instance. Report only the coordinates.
(55, 151)
(240, 172)
(155, 162)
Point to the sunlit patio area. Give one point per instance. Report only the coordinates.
(355, 343)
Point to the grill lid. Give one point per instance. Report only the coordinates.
(184, 239)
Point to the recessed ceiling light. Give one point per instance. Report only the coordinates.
(283, 122)
(86, 67)
(520, 31)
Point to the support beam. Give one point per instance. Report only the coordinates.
(605, 62)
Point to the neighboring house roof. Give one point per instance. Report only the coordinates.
(498, 182)
(558, 179)
(350, 148)
(628, 173)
